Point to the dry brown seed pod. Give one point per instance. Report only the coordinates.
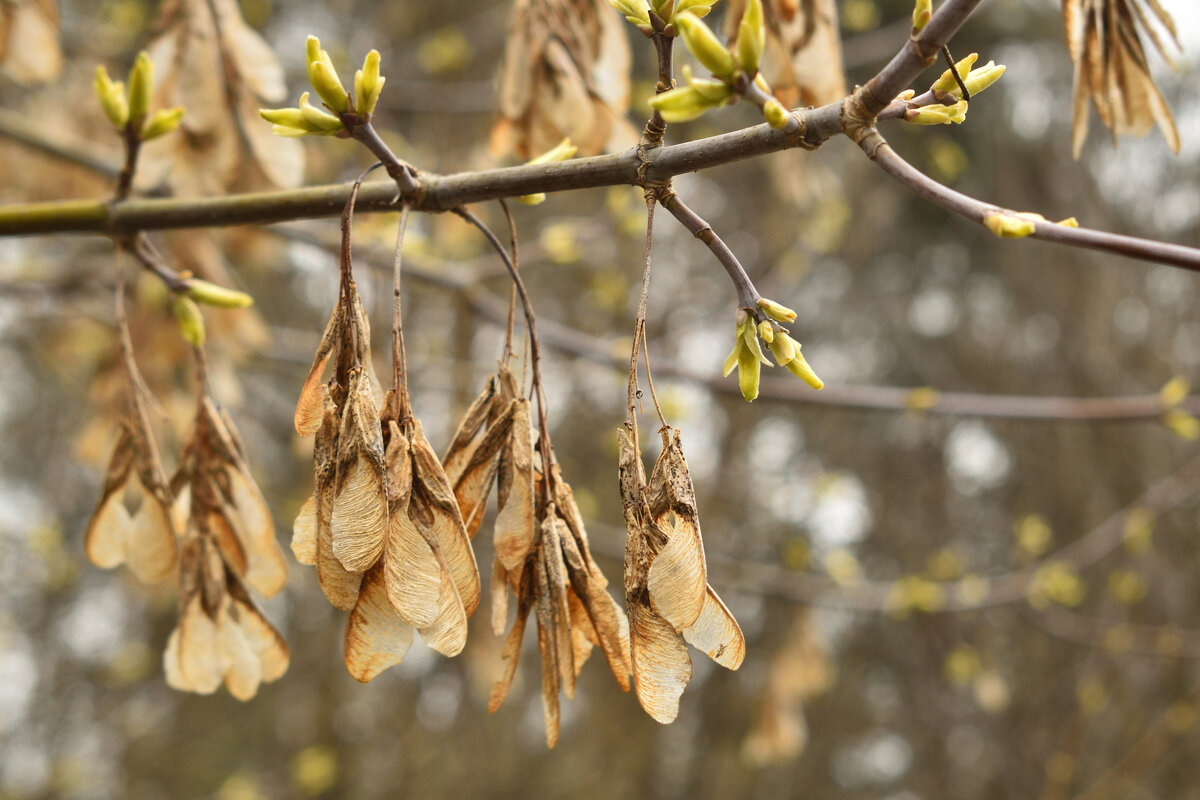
(339, 585)
(512, 644)
(516, 525)
(145, 539)
(1111, 68)
(547, 647)
(413, 574)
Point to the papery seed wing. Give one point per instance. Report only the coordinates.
(548, 648)
(412, 572)
(192, 659)
(266, 569)
(434, 509)
(466, 438)
(448, 633)
(661, 665)
(511, 653)
(516, 526)
(583, 635)
(717, 633)
(304, 533)
(677, 579)
(499, 592)
(359, 519)
(339, 585)
(376, 638)
(267, 643)
(552, 534)
(108, 529)
(568, 511)
(243, 671)
(310, 407)
(607, 625)
(472, 487)
(398, 459)
(151, 546)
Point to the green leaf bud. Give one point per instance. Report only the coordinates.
(112, 98)
(634, 10)
(324, 77)
(686, 103)
(699, 8)
(318, 120)
(162, 122)
(751, 38)
(141, 86)
(982, 78)
(776, 311)
(1008, 225)
(922, 11)
(945, 84)
(775, 114)
(702, 43)
(191, 321)
(799, 367)
(368, 84)
(213, 295)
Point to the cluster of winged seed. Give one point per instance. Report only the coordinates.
(382, 528)
(228, 543)
(666, 580)
(541, 548)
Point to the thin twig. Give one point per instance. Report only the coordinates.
(512, 291)
(399, 360)
(747, 295)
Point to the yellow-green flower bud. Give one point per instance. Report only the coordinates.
(766, 331)
(368, 84)
(776, 311)
(664, 8)
(162, 122)
(937, 114)
(749, 375)
(982, 78)
(775, 114)
(112, 98)
(1007, 225)
(751, 38)
(634, 10)
(762, 84)
(191, 321)
(141, 86)
(212, 295)
(799, 367)
(324, 77)
(783, 347)
(699, 8)
(704, 45)
(287, 121)
(947, 85)
(1069, 222)
(318, 120)
(922, 11)
(687, 103)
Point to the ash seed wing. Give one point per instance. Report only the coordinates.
(359, 518)
(304, 533)
(266, 569)
(511, 655)
(412, 573)
(473, 485)
(661, 665)
(192, 662)
(466, 438)
(448, 633)
(310, 406)
(717, 633)
(151, 544)
(266, 642)
(108, 528)
(243, 671)
(552, 533)
(376, 638)
(677, 579)
(339, 585)
(433, 506)
(516, 525)
(499, 592)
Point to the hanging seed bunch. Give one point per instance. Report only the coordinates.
(560, 582)
(666, 581)
(541, 546)
(228, 544)
(383, 527)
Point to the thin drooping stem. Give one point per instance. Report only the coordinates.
(877, 148)
(639, 335)
(346, 261)
(399, 360)
(748, 296)
(535, 353)
(866, 397)
(512, 292)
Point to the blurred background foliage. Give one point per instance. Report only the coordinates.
(935, 606)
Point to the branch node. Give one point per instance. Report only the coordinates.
(857, 119)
